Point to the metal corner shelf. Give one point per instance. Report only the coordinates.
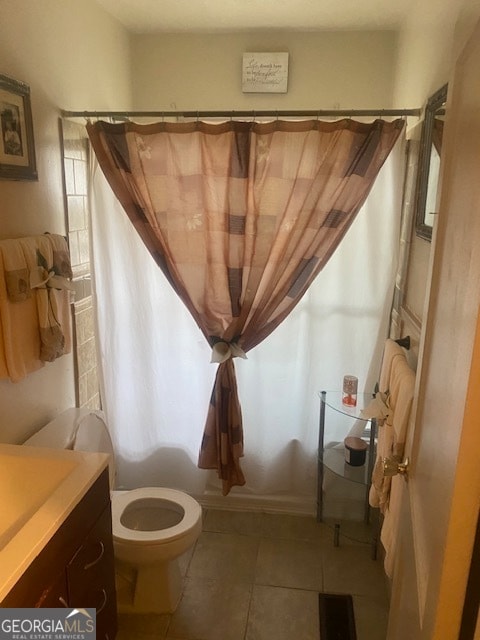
(332, 456)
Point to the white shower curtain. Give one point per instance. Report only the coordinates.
(150, 347)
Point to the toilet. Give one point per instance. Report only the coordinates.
(152, 526)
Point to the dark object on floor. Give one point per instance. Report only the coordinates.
(337, 620)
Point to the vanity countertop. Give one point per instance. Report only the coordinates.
(39, 488)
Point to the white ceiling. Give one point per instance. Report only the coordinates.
(203, 16)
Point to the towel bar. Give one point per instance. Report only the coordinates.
(404, 342)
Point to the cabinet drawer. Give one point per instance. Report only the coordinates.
(91, 565)
(90, 575)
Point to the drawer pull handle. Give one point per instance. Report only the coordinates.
(89, 565)
(63, 602)
(104, 603)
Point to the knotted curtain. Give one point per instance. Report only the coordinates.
(240, 217)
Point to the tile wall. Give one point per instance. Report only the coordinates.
(75, 159)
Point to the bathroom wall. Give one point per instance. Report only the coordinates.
(427, 48)
(73, 55)
(327, 70)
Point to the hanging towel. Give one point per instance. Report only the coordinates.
(392, 435)
(35, 324)
(385, 491)
(47, 258)
(403, 387)
(16, 272)
(382, 409)
(20, 350)
(391, 523)
(391, 351)
(379, 407)
(61, 288)
(61, 257)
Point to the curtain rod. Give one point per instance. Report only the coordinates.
(237, 114)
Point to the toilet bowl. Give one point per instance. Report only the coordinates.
(152, 526)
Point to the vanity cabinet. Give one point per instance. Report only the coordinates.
(76, 567)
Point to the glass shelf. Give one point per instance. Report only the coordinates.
(334, 459)
(333, 400)
(331, 453)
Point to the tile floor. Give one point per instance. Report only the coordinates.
(256, 576)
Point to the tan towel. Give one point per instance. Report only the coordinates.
(61, 256)
(16, 271)
(47, 259)
(402, 391)
(63, 269)
(35, 324)
(380, 487)
(385, 491)
(391, 523)
(402, 387)
(390, 352)
(20, 349)
(392, 435)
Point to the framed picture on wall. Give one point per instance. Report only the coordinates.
(265, 72)
(17, 148)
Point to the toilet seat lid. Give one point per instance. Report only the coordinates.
(192, 514)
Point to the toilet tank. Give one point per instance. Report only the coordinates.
(79, 429)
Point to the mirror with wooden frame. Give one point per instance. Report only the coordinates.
(429, 163)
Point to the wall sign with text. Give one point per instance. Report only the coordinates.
(265, 72)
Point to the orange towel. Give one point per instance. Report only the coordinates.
(20, 351)
(35, 323)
